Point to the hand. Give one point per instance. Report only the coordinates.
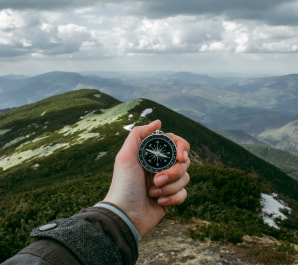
(146, 206)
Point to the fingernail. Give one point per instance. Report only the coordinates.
(160, 180)
(163, 201)
(185, 153)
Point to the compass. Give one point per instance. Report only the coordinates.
(157, 152)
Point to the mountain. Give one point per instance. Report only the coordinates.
(253, 105)
(2, 110)
(196, 79)
(19, 91)
(285, 137)
(57, 156)
(276, 93)
(240, 137)
(282, 159)
(286, 161)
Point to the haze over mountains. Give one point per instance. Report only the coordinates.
(265, 108)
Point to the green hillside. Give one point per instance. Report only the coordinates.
(286, 161)
(56, 157)
(285, 137)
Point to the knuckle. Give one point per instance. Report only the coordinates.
(179, 197)
(188, 163)
(135, 130)
(187, 178)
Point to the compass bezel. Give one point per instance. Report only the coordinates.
(143, 157)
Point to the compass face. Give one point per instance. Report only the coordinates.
(157, 152)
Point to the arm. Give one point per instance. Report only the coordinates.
(108, 233)
(94, 236)
(129, 181)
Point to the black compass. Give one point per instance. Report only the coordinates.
(157, 152)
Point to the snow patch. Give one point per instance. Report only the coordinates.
(80, 132)
(39, 139)
(14, 141)
(271, 209)
(4, 131)
(146, 112)
(36, 166)
(92, 120)
(100, 155)
(97, 95)
(129, 126)
(17, 140)
(85, 136)
(18, 158)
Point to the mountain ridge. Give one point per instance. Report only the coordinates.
(287, 133)
(284, 160)
(79, 133)
(17, 92)
(207, 137)
(251, 104)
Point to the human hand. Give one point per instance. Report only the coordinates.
(146, 206)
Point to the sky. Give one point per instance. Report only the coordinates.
(215, 37)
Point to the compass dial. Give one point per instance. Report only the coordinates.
(157, 152)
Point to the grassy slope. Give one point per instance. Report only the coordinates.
(285, 138)
(284, 160)
(73, 178)
(212, 147)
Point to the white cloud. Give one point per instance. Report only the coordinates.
(10, 20)
(143, 35)
(37, 35)
(127, 30)
(190, 34)
(52, 33)
(275, 38)
(72, 37)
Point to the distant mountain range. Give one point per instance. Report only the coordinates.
(17, 90)
(56, 156)
(260, 107)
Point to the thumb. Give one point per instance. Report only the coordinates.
(133, 140)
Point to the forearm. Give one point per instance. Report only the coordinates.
(94, 236)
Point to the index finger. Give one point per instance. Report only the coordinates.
(183, 147)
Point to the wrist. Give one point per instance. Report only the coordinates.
(120, 213)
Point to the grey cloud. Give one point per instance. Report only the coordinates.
(6, 52)
(44, 5)
(275, 12)
(211, 28)
(270, 11)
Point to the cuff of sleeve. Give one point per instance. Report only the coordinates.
(116, 228)
(88, 244)
(113, 208)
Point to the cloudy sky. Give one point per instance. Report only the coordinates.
(248, 37)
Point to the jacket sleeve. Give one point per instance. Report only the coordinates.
(97, 235)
